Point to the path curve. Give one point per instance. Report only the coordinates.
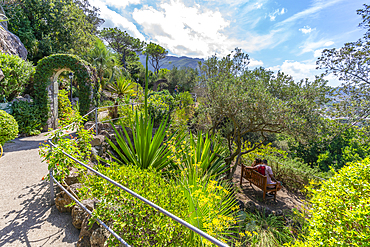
(26, 217)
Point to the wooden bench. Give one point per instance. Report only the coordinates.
(258, 180)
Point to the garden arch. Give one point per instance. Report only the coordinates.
(47, 72)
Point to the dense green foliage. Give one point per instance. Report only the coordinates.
(136, 222)
(184, 78)
(257, 230)
(103, 60)
(339, 208)
(17, 73)
(333, 148)
(46, 68)
(146, 150)
(28, 117)
(160, 106)
(52, 26)
(9, 127)
(65, 111)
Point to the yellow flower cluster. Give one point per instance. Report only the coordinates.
(210, 200)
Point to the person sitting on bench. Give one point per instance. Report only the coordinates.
(265, 170)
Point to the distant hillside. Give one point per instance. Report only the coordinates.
(179, 62)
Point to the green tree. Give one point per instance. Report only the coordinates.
(102, 59)
(184, 78)
(330, 148)
(157, 54)
(351, 65)
(122, 43)
(239, 102)
(52, 26)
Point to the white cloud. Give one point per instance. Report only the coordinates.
(113, 19)
(317, 6)
(276, 13)
(298, 70)
(307, 29)
(317, 53)
(303, 70)
(313, 46)
(254, 63)
(119, 4)
(184, 30)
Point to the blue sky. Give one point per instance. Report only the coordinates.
(281, 35)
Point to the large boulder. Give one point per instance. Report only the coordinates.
(1, 75)
(10, 43)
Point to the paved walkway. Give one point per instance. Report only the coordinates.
(26, 217)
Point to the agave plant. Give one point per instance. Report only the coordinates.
(147, 150)
(122, 87)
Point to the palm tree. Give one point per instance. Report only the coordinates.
(122, 87)
(102, 59)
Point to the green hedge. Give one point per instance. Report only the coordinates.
(9, 127)
(17, 73)
(48, 66)
(28, 117)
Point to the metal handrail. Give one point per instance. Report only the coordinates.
(165, 212)
(89, 212)
(96, 116)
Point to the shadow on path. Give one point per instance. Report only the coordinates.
(35, 215)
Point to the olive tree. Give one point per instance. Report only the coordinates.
(240, 101)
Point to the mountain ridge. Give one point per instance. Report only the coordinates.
(171, 61)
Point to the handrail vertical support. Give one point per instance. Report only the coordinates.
(51, 182)
(96, 121)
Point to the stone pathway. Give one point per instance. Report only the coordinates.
(26, 217)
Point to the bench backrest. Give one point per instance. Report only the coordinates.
(255, 177)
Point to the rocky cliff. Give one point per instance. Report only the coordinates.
(10, 43)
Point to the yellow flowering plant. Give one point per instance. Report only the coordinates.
(211, 201)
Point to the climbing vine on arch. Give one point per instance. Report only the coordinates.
(83, 73)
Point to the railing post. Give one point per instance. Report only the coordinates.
(96, 121)
(51, 182)
(132, 107)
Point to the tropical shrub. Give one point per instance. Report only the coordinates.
(9, 127)
(339, 209)
(17, 73)
(137, 223)
(27, 115)
(160, 106)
